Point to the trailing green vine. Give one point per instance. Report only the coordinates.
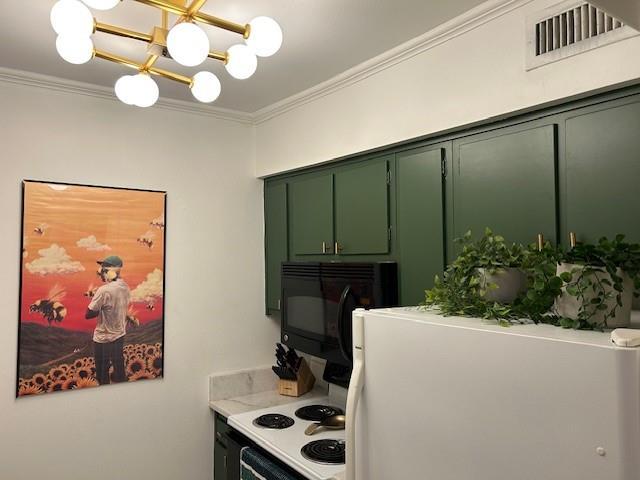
(595, 280)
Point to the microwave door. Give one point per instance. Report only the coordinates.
(304, 309)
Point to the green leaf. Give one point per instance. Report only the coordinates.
(566, 277)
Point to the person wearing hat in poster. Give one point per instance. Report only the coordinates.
(110, 305)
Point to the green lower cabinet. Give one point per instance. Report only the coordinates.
(276, 240)
(311, 214)
(602, 172)
(220, 452)
(362, 208)
(219, 462)
(506, 180)
(420, 221)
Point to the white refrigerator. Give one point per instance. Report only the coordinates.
(448, 398)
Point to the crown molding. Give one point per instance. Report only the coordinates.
(470, 20)
(459, 25)
(31, 79)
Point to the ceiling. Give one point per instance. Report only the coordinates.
(322, 38)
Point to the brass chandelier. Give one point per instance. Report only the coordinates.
(185, 42)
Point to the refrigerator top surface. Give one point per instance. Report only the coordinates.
(540, 331)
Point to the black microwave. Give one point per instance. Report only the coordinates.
(318, 299)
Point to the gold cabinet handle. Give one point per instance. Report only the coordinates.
(572, 239)
(337, 248)
(540, 242)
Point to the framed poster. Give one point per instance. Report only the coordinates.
(91, 287)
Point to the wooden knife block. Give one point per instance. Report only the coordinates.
(303, 384)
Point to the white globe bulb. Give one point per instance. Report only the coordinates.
(188, 44)
(101, 4)
(72, 17)
(125, 89)
(241, 62)
(265, 37)
(75, 49)
(146, 90)
(205, 87)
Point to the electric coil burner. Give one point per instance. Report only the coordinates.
(274, 421)
(330, 452)
(317, 413)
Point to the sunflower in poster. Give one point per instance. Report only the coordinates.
(50, 308)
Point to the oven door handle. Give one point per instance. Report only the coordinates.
(345, 349)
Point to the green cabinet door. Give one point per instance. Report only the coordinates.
(220, 451)
(420, 221)
(311, 214)
(506, 180)
(362, 208)
(275, 240)
(220, 461)
(602, 172)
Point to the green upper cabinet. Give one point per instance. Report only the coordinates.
(275, 240)
(506, 180)
(311, 214)
(420, 221)
(602, 172)
(362, 208)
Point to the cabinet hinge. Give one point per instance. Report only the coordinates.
(389, 234)
(388, 177)
(443, 166)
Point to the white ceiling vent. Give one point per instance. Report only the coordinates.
(568, 29)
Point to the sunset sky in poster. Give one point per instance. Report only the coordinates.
(73, 216)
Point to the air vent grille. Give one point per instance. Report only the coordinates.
(355, 271)
(575, 25)
(570, 28)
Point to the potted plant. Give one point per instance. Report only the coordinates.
(497, 265)
(482, 281)
(599, 284)
(540, 264)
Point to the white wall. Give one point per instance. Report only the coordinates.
(472, 76)
(214, 284)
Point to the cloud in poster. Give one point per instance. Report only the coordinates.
(150, 288)
(92, 244)
(54, 260)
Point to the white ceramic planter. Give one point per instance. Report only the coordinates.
(568, 306)
(510, 282)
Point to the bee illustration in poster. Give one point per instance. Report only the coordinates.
(86, 287)
(50, 308)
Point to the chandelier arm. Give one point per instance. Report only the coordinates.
(127, 62)
(116, 59)
(243, 30)
(151, 60)
(195, 6)
(222, 56)
(171, 76)
(122, 32)
(166, 6)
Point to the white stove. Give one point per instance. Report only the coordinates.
(286, 443)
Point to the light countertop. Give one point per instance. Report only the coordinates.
(242, 391)
(260, 400)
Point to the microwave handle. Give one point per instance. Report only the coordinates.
(341, 343)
